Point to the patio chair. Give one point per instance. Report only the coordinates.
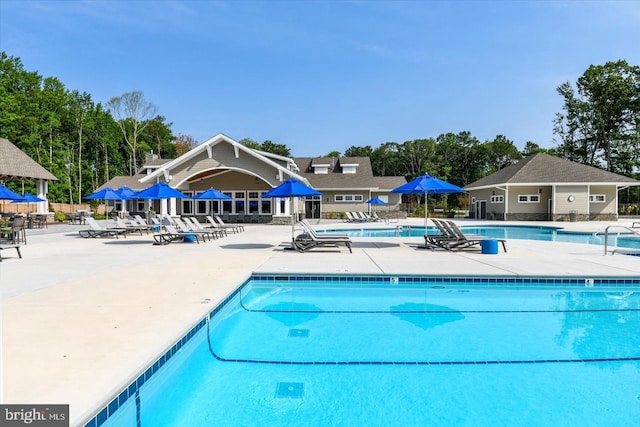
(16, 247)
(15, 233)
(98, 231)
(237, 227)
(172, 235)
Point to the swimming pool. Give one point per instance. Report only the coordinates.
(402, 351)
(555, 234)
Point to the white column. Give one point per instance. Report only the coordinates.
(172, 207)
(41, 191)
(163, 207)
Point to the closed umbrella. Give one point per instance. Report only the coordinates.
(292, 188)
(427, 184)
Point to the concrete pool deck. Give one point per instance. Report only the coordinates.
(82, 317)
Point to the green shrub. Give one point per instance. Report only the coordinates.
(60, 216)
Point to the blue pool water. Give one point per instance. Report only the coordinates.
(401, 351)
(623, 240)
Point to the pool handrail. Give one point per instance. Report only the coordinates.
(606, 234)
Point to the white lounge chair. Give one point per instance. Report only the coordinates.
(97, 231)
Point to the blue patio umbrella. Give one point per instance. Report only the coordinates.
(212, 194)
(106, 193)
(6, 194)
(160, 190)
(292, 188)
(376, 201)
(126, 192)
(427, 184)
(29, 198)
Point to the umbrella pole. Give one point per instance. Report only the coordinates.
(425, 211)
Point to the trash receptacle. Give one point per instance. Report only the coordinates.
(573, 216)
(489, 246)
(189, 238)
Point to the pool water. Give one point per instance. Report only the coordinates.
(312, 352)
(624, 240)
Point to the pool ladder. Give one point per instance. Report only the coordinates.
(633, 229)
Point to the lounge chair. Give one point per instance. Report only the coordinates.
(216, 232)
(305, 241)
(440, 240)
(310, 239)
(98, 231)
(130, 228)
(350, 218)
(463, 240)
(309, 229)
(172, 235)
(11, 246)
(222, 228)
(185, 228)
(236, 227)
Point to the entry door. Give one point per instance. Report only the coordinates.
(482, 209)
(312, 208)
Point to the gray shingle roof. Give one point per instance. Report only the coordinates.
(15, 164)
(543, 168)
(363, 178)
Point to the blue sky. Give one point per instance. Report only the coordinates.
(320, 76)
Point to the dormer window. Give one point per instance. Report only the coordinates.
(349, 168)
(321, 168)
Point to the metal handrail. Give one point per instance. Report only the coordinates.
(606, 234)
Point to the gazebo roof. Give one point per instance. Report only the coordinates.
(15, 164)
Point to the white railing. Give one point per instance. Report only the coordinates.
(633, 229)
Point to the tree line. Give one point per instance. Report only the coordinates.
(84, 143)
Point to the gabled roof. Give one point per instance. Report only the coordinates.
(335, 179)
(543, 168)
(132, 182)
(207, 146)
(15, 164)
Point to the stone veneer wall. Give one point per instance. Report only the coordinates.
(527, 217)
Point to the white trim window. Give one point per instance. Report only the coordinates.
(348, 198)
(528, 198)
(473, 200)
(497, 199)
(187, 204)
(597, 198)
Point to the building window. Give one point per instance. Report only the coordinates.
(239, 199)
(348, 198)
(597, 198)
(140, 206)
(497, 199)
(528, 198)
(187, 204)
(473, 200)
